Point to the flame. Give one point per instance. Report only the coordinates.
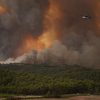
(39, 44)
(49, 35)
(52, 16)
(3, 10)
(28, 44)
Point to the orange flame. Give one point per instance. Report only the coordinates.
(28, 44)
(49, 34)
(51, 18)
(3, 10)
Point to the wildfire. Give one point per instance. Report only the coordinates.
(46, 39)
(49, 35)
(3, 10)
(29, 43)
(51, 19)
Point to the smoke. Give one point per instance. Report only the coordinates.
(50, 31)
(18, 20)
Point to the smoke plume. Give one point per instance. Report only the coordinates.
(50, 31)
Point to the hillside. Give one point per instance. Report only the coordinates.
(48, 80)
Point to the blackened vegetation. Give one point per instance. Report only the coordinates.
(51, 81)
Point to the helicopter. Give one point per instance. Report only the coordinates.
(86, 17)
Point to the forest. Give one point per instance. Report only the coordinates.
(48, 80)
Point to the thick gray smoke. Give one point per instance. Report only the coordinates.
(78, 42)
(22, 17)
(88, 56)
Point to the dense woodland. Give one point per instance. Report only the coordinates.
(48, 80)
